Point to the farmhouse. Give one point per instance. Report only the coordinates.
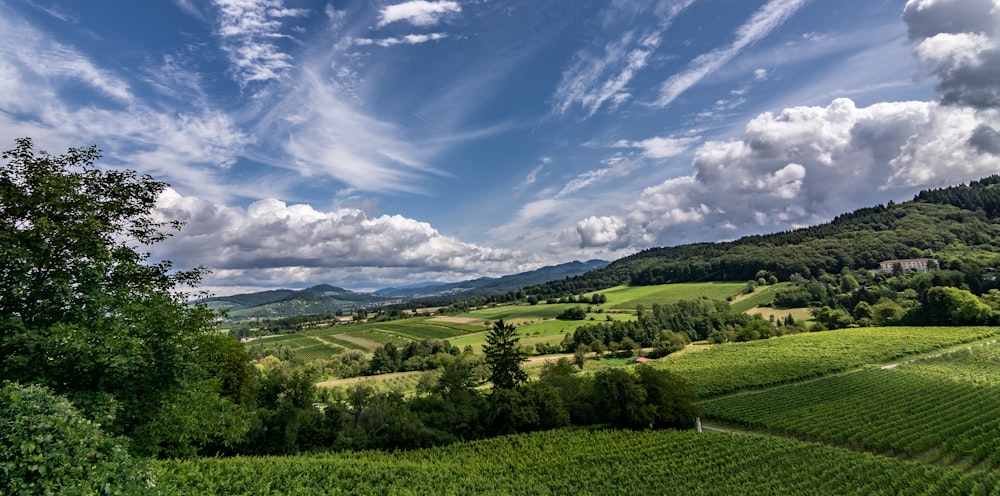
(907, 265)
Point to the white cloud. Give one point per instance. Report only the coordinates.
(805, 165)
(418, 12)
(35, 59)
(410, 39)
(532, 176)
(660, 147)
(600, 231)
(249, 30)
(957, 40)
(765, 20)
(594, 80)
(183, 148)
(297, 244)
(324, 135)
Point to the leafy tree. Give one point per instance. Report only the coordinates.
(504, 356)
(81, 309)
(574, 313)
(953, 306)
(48, 447)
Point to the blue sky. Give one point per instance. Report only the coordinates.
(368, 144)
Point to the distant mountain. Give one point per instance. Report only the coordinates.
(277, 303)
(324, 298)
(495, 285)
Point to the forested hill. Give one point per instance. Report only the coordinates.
(956, 225)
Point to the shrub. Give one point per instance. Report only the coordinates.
(48, 447)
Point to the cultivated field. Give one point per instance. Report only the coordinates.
(752, 365)
(579, 462)
(941, 409)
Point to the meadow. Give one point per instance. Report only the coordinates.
(536, 323)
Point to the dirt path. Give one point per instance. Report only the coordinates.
(743, 296)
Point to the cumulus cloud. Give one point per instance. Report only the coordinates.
(418, 12)
(303, 245)
(803, 166)
(957, 40)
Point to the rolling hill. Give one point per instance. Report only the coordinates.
(959, 226)
(326, 299)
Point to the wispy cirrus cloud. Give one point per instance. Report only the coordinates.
(411, 39)
(593, 81)
(36, 75)
(418, 12)
(249, 30)
(765, 20)
(660, 146)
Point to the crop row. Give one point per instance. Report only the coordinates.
(940, 409)
(757, 364)
(579, 462)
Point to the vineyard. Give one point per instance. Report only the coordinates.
(756, 364)
(579, 462)
(940, 410)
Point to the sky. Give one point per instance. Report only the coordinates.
(369, 144)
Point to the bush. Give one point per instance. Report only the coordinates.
(575, 313)
(48, 447)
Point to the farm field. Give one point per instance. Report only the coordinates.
(629, 297)
(799, 314)
(579, 462)
(752, 365)
(940, 409)
(536, 323)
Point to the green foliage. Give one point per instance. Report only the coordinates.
(574, 313)
(81, 310)
(48, 447)
(953, 306)
(504, 356)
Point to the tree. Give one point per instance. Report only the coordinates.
(81, 309)
(574, 313)
(504, 356)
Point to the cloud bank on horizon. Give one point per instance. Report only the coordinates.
(375, 144)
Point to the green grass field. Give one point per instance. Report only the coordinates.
(629, 297)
